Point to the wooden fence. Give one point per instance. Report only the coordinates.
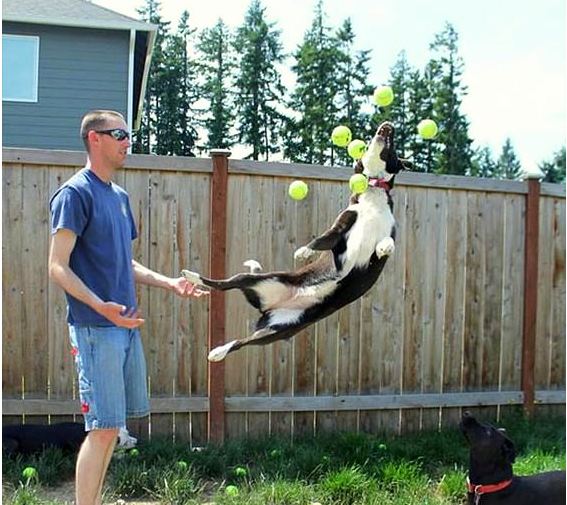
(447, 326)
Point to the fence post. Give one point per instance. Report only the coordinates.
(217, 257)
(530, 292)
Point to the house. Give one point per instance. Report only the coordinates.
(61, 58)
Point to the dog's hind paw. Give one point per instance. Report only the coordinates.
(219, 353)
(253, 265)
(192, 277)
(303, 253)
(385, 247)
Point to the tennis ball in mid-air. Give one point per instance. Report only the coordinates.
(356, 149)
(383, 96)
(358, 183)
(341, 136)
(427, 129)
(231, 490)
(29, 472)
(298, 190)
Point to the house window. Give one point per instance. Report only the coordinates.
(20, 63)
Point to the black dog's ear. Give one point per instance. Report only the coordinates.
(509, 451)
(358, 167)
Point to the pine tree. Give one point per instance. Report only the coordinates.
(259, 87)
(423, 153)
(482, 163)
(353, 90)
(216, 64)
(508, 166)
(313, 99)
(144, 139)
(446, 73)
(554, 170)
(401, 80)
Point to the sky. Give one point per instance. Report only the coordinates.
(513, 53)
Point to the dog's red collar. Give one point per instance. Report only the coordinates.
(480, 489)
(375, 182)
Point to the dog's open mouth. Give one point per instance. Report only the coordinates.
(385, 130)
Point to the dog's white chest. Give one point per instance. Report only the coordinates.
(374, 222)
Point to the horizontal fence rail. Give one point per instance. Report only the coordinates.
(442, 330)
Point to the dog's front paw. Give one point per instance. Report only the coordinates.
(303, 253)
(219, 353)
(192, 277)
(385, 247)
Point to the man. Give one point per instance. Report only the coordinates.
(91, 259)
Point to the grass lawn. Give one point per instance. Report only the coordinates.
(357, 469)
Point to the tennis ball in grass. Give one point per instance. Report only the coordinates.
(231, 490)
(29, 472)
(240, 471)
(182, 465)
(383, 96)
(358, 183)
(356, 149)
(134, 453)
(427, 129)
(298, 190)
(341, 136)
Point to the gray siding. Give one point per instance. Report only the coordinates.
(79, 69)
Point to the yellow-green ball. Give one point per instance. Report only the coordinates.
(29, 472)
(358, 183)
(298, 190)
(356, 149)
(341, 136)
(231, 490)
(427, 129)
(383, 96)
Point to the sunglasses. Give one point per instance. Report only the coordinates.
(116, 133)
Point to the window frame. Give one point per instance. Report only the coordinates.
(35, 79)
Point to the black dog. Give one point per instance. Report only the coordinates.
(491, 479)
(355, 250)
(32, 438)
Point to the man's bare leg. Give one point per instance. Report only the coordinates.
(92, 463)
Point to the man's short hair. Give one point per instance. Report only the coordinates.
(96, 120)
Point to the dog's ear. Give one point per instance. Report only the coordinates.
(358, 167)
(508, 450)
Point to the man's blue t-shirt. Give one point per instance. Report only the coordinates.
(99, 214)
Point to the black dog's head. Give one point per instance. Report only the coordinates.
(380, 159)
(491, 451)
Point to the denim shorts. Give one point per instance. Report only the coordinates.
(112, 375)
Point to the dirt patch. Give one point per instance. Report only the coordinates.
(65, 495)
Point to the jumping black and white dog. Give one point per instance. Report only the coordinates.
(491, 476)
(354, 252)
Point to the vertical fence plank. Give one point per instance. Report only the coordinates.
(530, 294)
(238, 312)
(34, 255)
(12, 291)
(453, 333)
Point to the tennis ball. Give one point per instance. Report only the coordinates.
(29, 472)
(341, 136)
(358, 183)
(231, 490)
(427, 129)
(356, 149)
(383, 96)
(298, 190)
(134, 453)
(240, 471)
(182, 465)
